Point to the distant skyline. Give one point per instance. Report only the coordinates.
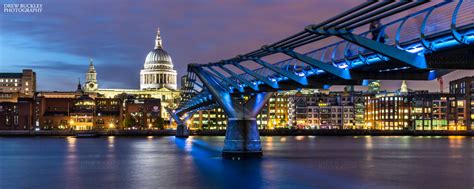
(58, 42)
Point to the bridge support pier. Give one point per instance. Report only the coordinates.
(242, 140)
(181, 128)
(182, 131)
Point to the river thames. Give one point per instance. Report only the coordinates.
(288, 162)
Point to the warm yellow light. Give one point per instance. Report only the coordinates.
(111, 125)
(149, 125)
(71, 122)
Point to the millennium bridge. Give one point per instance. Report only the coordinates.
(375, 40)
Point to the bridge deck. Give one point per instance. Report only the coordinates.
(435, 32)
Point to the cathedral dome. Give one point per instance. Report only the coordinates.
(158, 69)
(158, 58)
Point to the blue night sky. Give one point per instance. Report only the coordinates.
(59, 42)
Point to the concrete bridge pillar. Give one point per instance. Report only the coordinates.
(182, 131)
(242, 139)
(181, 128)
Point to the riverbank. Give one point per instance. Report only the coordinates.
(331, 132)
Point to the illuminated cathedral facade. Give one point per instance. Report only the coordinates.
(158, 79)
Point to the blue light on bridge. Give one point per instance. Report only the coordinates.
(343, 66)
(365, 82)
(432, 75)
(415, 49)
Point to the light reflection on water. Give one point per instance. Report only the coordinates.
(71, 143)
(289, 162)
(111, 140)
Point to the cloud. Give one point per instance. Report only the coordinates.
(53, 66)
(119, 34)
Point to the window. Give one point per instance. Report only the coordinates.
(15, 120)
(63, 122)
(460, 103)
(100, 121)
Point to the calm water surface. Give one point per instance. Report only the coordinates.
(289, 162)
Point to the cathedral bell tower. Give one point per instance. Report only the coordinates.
(91, 84)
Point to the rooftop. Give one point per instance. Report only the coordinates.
(10, 75)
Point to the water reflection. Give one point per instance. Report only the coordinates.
(216, 172)
(71, 141)
(456, 141)
(288, 162)
(300, 138)
(369, 145)
(71, 160)
(456, 144)
(111, 141)
(267, 142)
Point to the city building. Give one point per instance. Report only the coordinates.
(465, 87)
(326, 110)
(387, 111)
(418, 110)
(80, 111)
(158, 80)
(75, 110)
(142, 114)
(438, 111)
(15, 85)
(304, 109)
(17, 115)
(273, 115)
(374, 87)
(214, 119)
(406, 109)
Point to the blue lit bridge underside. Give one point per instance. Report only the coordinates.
(419, 41)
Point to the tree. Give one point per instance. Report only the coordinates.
(129, 121)
(160, 123)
